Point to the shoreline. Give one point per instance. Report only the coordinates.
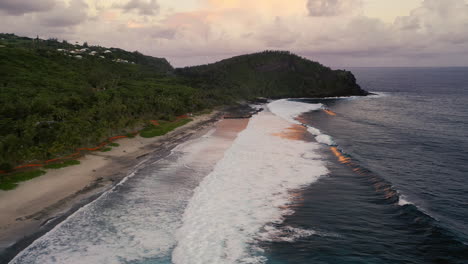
(38, 205)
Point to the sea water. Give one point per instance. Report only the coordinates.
(397, 189)
(378, 179)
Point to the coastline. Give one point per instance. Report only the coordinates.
(36, 206)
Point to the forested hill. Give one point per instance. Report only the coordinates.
(56, 96)
(50, 47)
(273, 74)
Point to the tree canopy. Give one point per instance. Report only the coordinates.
(56, 96)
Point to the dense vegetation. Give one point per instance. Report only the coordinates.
(56, 96)
(273, 74)
(51, 103)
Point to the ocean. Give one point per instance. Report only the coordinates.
(401, 193)
(377, 179)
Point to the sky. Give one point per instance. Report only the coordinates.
(337, 33)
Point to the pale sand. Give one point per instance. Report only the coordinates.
(25, 209)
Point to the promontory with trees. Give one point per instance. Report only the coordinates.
(56, 96)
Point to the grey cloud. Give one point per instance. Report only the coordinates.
(163, 33)
(20, 7)
(331, 7)
(64, 16)
(432, 30)
(407, 23)
(278, 35)
(151, 32)
(436, 21)
(144, 7)
(434, 34)
(361, 37)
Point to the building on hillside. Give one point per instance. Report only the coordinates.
(121, 61)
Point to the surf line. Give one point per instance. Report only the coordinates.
(380, 185)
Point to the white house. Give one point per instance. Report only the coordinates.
(107, 51)
(79, 57)
(92, 53)
(120, 60)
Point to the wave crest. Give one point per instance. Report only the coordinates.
(247, 189)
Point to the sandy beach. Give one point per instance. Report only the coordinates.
(37, 205)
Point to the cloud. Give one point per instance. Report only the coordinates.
(332, 7)
(441, 25)
(334, 32)
(20, 7)
(155, 32)
(163, 33)
(278, 35)
(65, 16)
(144, 7)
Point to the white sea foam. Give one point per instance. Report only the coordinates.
(135, 221)
(372, 95)
(284, 234)
(377, 95)
(247, 189)
(290, 234)
(290, 110)
(314, 131)
(402, 200)
(325, 139)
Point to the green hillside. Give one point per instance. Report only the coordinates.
(52, 102)
(273, 74)
(56, 96)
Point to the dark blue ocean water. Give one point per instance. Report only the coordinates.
(400, 195)
(396, 191)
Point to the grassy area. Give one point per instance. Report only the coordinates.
(10, 182)
(62, 165)
(165, 127)
(114, 144)
(130, 135)
(203, 112)
(106, 149)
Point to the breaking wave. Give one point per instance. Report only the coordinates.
(247, 190)
(290, 110)
(289, 234)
